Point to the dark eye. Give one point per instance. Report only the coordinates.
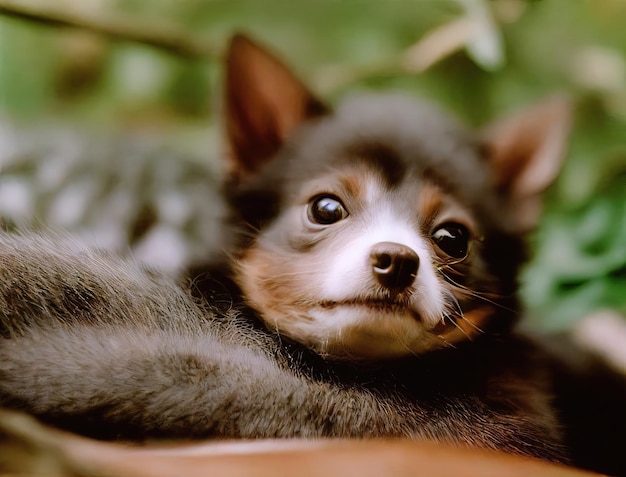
(453, 239)
(326, 209)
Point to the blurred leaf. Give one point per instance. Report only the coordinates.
(580, 264)
(485, 47)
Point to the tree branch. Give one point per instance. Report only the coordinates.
(164, 38)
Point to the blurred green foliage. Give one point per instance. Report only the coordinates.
(484, 57)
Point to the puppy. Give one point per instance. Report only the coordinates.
(368, 289)
(382, 229)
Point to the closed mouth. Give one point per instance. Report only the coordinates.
(378, 304)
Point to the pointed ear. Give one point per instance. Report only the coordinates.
(265, 102)
(526, 151)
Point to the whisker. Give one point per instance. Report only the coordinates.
(475, 294)
(456, 325)
(461, 315)
(446, 342)
(458, 312)
(400, 339)
(473, 325)
(440, 269)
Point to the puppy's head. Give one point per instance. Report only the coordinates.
(382, 228)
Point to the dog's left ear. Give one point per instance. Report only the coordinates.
(526, 150)
(265, 103)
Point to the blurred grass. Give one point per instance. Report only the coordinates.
(522, 50)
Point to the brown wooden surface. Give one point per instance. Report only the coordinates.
(27, 448)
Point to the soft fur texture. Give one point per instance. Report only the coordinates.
(403, 173)
(302, 329)
(98, 345)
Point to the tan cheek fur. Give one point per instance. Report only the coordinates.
(355, 185)
(430, 201)
(271, 286)
(469, 326)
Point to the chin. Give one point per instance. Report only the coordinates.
(359, 333)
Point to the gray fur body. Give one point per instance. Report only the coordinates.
(98, 345)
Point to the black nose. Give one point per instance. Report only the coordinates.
(394, 265)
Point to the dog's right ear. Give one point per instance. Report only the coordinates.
(265, 102)
(526, 150)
